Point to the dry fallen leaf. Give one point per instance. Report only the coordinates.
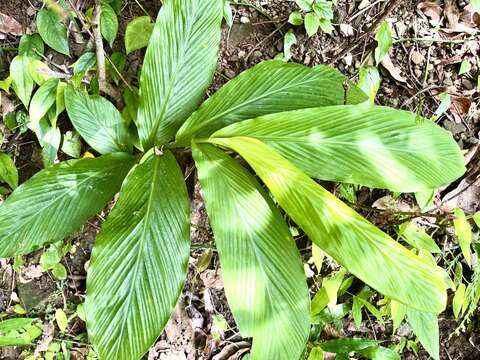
(432, 10)
(459, 22)
(9, 25)
(392, 69)
(460, 105)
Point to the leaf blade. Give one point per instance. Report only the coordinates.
(374, 146)
(257, 253)
(342, 233)
(139, 260)
(57, 201)
(53, 31)
(269, 87)
(97, 121)
(179, 65)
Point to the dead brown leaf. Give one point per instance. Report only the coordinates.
(459, 22)
(432, 10)
(9, 25)
(392, 69)
(460, 105)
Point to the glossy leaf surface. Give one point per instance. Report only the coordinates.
(97, 120)
(139, 261)
(261, 267)
(179, 65)
(267, 88)
(58, 200)
(373, 146)
(355, 243)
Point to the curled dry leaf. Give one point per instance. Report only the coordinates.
(432, 10)
(392, 69)
(460, 22)
(9, 25)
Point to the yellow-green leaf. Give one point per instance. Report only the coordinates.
(359, 246)
(463, 230)
(374, 146)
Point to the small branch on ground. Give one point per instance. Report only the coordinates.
(369, 31)
(103, 84)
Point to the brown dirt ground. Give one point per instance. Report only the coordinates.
(256, 35)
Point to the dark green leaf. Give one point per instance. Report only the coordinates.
(261, 267)
(31, 46)
(53, 31)
(139, 261)
(108, 23)
(179, 65)
(270, 87)
(97, 120)
(347, 345)
(85, 62)
(57, 201)
(42, 101)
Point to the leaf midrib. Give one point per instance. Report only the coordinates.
(167, 99)
(144, 224)
(48, 204)
(326, 141)
(252, 100)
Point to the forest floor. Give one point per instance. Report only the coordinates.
(419, 71)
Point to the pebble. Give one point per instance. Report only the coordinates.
(467, 84)
(417, 57)
(244, 20)
(257, 54)
(230, 73)
(241, 54)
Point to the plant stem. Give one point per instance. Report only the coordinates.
(104, 86)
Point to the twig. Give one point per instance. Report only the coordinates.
(433, 40)
(103, 85)
(370, 30)
(365, 9)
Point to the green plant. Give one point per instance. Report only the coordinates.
(317, 14)
(290, 123)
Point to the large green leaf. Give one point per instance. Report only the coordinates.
(361, 247)
(58, 200)
(262, 270)
(139, 261)
(97, 120)
(270, 87)
(179, 65)
(369, 145)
